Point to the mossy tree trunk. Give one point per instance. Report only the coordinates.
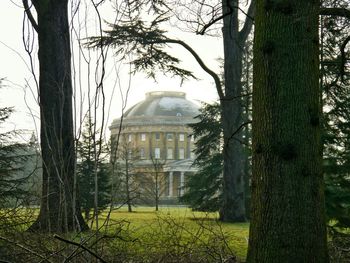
(59, 211)
(288, 220)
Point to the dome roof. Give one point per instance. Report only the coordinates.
(164, 103)
(160, 108)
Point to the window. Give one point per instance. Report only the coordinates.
(169, 153)
(156, 153)
(157, 135)
(181, 137)
(192, 138)
(169, 136)
(181, 153)
(143, 137)
(142, 153)
(129, 137)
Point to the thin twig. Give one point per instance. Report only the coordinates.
(25, 248)
(81, 246)
(237, 130)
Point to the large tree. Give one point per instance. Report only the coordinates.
(59, 209)
(288, 218)
(234, 39)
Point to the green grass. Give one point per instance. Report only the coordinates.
(178, 229)
(173, 234)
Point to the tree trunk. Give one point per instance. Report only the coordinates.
(288, 220)
(127, 184)
(56, 117)
(87, 214)
(157, 190)
(233, 208)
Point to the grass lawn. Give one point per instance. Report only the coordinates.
(177, 228)
(173, 234)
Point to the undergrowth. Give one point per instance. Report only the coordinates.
(171, 235)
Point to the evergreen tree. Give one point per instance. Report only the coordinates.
(90, 164)
(335, 86)
(12, 157)
(204, 188)
(19, 167)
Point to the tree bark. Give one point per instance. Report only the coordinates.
(56, 117)
(233, 208)
(288, 219)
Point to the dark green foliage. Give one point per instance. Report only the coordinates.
(336, 119)
(91, 163)
(204, 188)
(12, 160)
(208, 132)
(337, 196)
(146, 44)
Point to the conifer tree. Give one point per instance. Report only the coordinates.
(336, 119)
(204, 188)
(90, 162)
(12, 157)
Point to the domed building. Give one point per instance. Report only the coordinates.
(155, 139)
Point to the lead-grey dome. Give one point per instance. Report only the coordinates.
(160, 108)
(164, 103)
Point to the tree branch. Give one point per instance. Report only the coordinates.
(343, 57)
(25, 248)
(200, 62)
(214, 20)
(137, 35)
(81, 246)
(248, 23)
(236, 131)
(342, 12)
(30, 15)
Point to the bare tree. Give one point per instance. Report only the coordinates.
(153, 181)
(126, 173)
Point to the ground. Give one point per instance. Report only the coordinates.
(173, 234)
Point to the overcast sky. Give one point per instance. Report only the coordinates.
(14, 66)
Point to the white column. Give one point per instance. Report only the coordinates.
(171, 184)
(182, 183)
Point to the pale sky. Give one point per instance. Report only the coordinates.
(14, 66)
